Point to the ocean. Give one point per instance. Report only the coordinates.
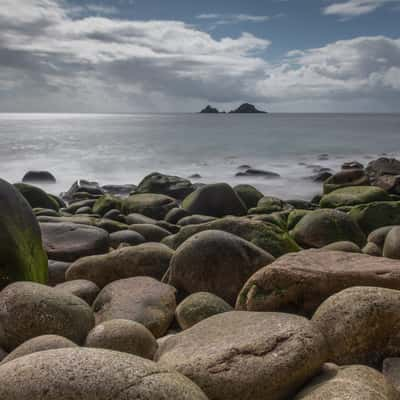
(123, 148)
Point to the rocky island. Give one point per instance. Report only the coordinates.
(175, 289)
(245, 108)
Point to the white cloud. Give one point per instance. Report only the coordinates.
(234, 18)
(51, 61)
(353, 8)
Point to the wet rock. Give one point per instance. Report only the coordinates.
(36, 197)
(257, 173)
(56, 272)
(84, 289)
(151, 233)
(39, 177)
(126, 236)
(344, 178)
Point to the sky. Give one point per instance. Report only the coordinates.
(180, 55)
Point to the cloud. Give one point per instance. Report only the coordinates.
(221, 19)
(51, 61)
(354, 8)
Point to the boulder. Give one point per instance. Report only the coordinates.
(21, 252)
(75, 206)
(376, 215)
(352, 165)
(39, 343)
(85, 374)
(353, 195)
(269, 204)
(30, 309)
(215, 262)
(299, 283)
(372, 249)
(39, 177)
(247, 356)
(355, 382)
(149, 259)
(136, 218)
(150, 205)
(349, 247)
(115, 215)
(378, 236)
(83, 189)
(57, 270)
(248, 194)
(36, 197)
(390, 183)
(344, 178)
(69, 242)
(216, 200)
(119, 190)
(126, 236)
(322, 227)
(381, 167)
(125, 336)
(295, 216)
(391, 371)
(267, 236)
(85, 290)
(195, 220)
(257, 173)
(391, 248)
(199, 306)
(140, 299)
(173, 186)
(151, 233)
(175, 215)
(107, 203)
(360, 325)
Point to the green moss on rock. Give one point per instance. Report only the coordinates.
(36, 197)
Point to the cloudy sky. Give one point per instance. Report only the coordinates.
(179, 55)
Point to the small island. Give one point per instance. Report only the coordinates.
(245, 108)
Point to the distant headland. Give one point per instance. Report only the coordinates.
(245, 108)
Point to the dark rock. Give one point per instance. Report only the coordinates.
(36, 197)
(39, 177)
(85, 290)
(247, 108)
(175, 215)
(115, 215)
(249, 195)
(382, 166)
(83, 187)
(195, 176)
(151, 233)
(127, 236)
(258, 172)
(352, 165)
(390, 183)
(344, 178)
(195, 220)
(209, 110)
(57, 271)
(84, 210)
(119, 190)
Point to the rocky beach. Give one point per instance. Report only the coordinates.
(169, 289)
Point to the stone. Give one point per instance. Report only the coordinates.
(247, 108)
(172, 186)
(378, 236)
(355, 382)
(56, 272)
(372, 249)
(216, 262)
(360, 325)
(126, 236)
(136, 218)
(22, 257)
(125, 336)
(39, 177)
(140, 299)
(322, 227)
(299, 283)
(258, 173)
(39, 343)
(107, 203)
(390, 183)
(349, 247)
(391, 248)
(151, 205)
(115, 215)
(149, 259)
(36, 197)
(352, 165)
(68, 241)
(175, 215)
(119, 190)
(195, 220)
(84, 289)
(381, 167)
(85, 374)
(30, 309)
(150, 232)
(215, 200)
(248, 194)
(199, 306)
(83, 187)
(344, 178)
(353, 195)
(267, 236)
(247, 356)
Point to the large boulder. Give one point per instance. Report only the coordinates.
(199, 306)
(344, 178)
(391, 248)
(298, 283)
(215, 262)
(150, 205)
(29, 309)
(140, 299)
(355, 382)
(390, 183)
(265, 235)
(22, 257)
(247, 356)
(84, 289)
(360, 325)
(36, 197)
(127, 237)
(173, 186)
(57, 271)
(391, 371)
(322, 227)
(248, 194)
(86, 374)
(83, 189)
(123, 335)
(151, 233)
(149, 259)
(39, 343)
(68, 241)
(39, 177)
(107, 203)
(376, 215)
(353, 195)
(216, 200)
(381, 167)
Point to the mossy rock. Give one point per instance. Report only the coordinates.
(267, 236)
(269, 204)
(249, 195)
(322, 227)
(354, 195)
(150, 205)
(295, 216)
(22, 257)
(36, 197)
(376, 215)
(277, 218)
(106, 203)
(346, 178)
